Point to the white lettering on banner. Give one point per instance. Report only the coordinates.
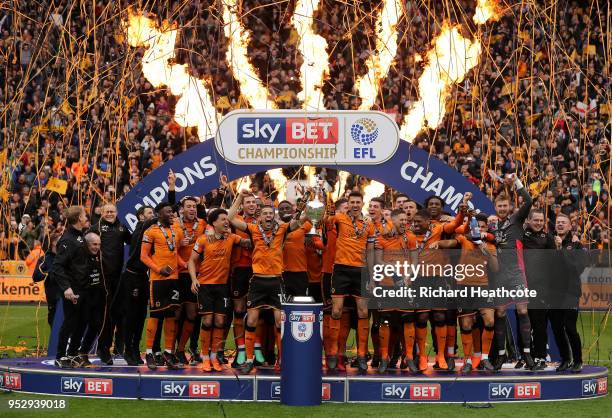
(185, 177)
(449, 195)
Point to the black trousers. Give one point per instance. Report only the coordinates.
(539, 332)
(135, 298)
(563, 323)
(76, 319)
(113, 318)
(93, 315)
(54, 295)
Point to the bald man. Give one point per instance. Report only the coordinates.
(114, 236)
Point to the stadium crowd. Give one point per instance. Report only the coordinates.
(75, 106)
(520, 111)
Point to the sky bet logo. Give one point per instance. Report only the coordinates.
(529, 390)
(89, 386)
(10, 380)
(593, 387)
(413, 392)
(287, 131)
(192, 389)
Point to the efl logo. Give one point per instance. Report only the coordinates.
(592, 387)
(415, 392)
(287, 131)
(275, 391)
(89, 386)
(514, 390)
(192, 389)
(10, 381)
(364, 132)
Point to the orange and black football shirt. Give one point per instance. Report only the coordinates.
(350, 244)
(294, 251)
(192, 230)
(215, 267)
(268, 259)
(161, 254)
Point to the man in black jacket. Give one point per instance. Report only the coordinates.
(93, 296)
(53, 294)
(508, 234)
(114, 236)
(539, 254)
(136, 289)
(70, 273)
(570, 264)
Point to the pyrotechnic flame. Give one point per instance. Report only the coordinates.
(372, 190)
(313, 48)
(380, 61)
(280, 182)
(451, 57)
(243, 183)
(194, 107)
(485, 10)
(251, 87)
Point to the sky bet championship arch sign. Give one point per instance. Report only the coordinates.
(365, 143)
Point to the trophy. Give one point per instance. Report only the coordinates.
(315, 209)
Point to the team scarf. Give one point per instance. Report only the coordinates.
(188, 234)
(421, 245)
(358, 233)
(268, 239)
(170, 244)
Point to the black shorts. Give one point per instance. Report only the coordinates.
(184, 286)
(346, 280)
(164, 295)
(240, 281)
(264, 292)
(326, 289)
(213, 298)
(295, 283)
(314, 290)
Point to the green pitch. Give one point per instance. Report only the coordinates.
(23, 330)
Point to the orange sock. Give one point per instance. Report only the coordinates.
(239, 330)
(151, 330)
(326, 319)
(383, 341)
(345, 329)
(218, 335)
(467, 343)
(169, 333)
(487, 339)
(451, 335)
(334, 331)
(249, 341)
(421, 338)
(476, 340)
(363, 328)
(185, 334)
(409, 339)
(205, 337)
(441, 339)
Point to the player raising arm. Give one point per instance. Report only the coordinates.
(265, 287)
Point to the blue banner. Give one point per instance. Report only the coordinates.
(410, 170)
